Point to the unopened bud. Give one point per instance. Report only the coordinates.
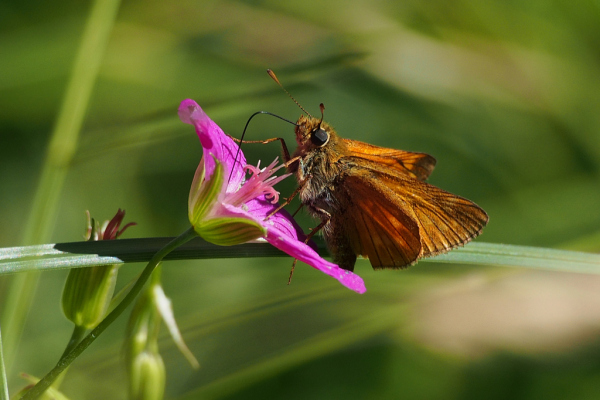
(88, 291)
(147, 376)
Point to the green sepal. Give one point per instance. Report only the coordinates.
(196, 186)
(228, 231)
(207, 194)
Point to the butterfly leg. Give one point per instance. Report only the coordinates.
(286, 152)
(296, 212)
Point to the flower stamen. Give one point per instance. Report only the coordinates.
(260, 182)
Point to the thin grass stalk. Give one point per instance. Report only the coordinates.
(62, 147)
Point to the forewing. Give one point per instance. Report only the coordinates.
(418, 165)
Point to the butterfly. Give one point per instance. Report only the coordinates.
(374, 202)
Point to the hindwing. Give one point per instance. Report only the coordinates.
(394, 219)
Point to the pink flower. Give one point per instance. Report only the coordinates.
(225, 208)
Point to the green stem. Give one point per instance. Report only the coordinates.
(76, 337)
(67, 359)
(3, 381)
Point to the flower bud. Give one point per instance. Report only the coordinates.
(147, 376)
(144, 364)
(145, 367)
(87, 294)
(88, 291)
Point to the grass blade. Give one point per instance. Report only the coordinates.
(82, 254)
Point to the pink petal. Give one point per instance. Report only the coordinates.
(307, 255)
(214, 141)
(285, 234)
(227, 210)
(282, 220)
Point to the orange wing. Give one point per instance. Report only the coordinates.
(418, 165)
(372, 226)
(445, 220)
(394, 219)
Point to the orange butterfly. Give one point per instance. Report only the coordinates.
(373, 201)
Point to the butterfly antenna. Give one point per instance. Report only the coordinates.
(322, 108)
(274, 77)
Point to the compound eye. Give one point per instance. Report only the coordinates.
(319, 137)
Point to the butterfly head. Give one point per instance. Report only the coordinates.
(313, 133)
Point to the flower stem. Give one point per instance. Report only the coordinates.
(67, 359)
(76, 336)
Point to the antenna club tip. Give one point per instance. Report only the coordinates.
(272, 75)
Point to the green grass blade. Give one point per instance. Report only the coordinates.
(523, 256)
(82, 254)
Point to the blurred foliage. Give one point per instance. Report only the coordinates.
(505, 95)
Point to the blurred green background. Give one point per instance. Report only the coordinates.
(506, 96)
